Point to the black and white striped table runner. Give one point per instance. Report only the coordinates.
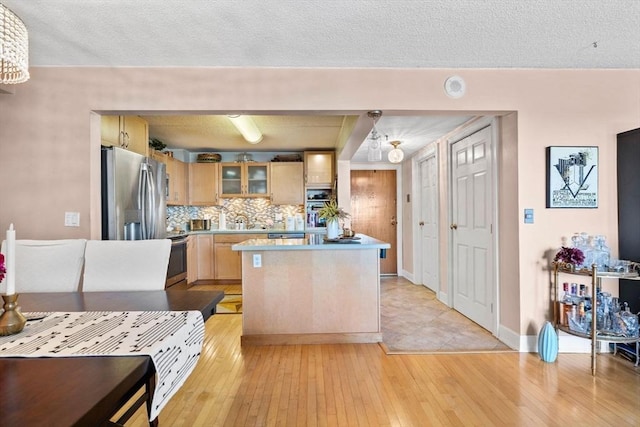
(173, 340)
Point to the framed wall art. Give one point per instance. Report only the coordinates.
(572, 177)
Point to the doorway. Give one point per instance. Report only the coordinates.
(471, 230)
(373, 210)
(428, 222)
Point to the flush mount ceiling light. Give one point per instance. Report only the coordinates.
(396, 155)
(14, 48)
(247, 128)
(374, 151)
(455, 87)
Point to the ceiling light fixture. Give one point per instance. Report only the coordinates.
(374, 152)
(14, 48)
(396, 155)
(455, 87)
(247, 128)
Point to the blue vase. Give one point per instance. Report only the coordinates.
(548, 343)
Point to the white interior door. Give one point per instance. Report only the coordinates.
(473, 283)
(429, 223)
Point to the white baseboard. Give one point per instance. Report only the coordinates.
(509, 337)
(408, 276)
(566, 344)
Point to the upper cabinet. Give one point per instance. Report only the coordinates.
(286, 180)
(158, 156)
(319, 169)
(128, 132)
(244, 180)
(203, 183)
(177, 181)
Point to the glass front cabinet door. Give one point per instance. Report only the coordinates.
(244, 179)
(257, 181)
(231, 180)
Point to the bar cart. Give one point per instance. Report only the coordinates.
(593, 334)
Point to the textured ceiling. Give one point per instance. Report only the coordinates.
(334, 33)
(301, 132)
(280, 132)
(329, 33)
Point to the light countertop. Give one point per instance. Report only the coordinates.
(251, 231)
(316, 242)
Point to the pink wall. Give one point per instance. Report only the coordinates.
(48, 156)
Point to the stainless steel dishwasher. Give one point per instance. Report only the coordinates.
(286, 235)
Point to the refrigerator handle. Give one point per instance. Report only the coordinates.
(142, 200)
(146, 201)
(152, 204)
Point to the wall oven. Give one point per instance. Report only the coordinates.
(177, 269)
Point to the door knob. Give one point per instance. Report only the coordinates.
(453, 226)
(421, 223)
(393, 220)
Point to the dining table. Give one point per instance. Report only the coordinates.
(87, 391)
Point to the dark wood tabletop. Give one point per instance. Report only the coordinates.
(174, 300)
(84, 391)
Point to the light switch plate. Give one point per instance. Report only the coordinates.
(72, 219)
(528, 216)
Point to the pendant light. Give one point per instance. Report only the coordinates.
(14, 48)
(396, 155)
(374, 151)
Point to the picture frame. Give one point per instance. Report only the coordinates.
(572, 177)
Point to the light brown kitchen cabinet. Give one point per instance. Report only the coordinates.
(192, 259)
(319, 169)
(204, 255)
(177, 181)
(158, 156)
(286, 180)
(203, 184)
(244, 180)
(128, 132)
(228, 263)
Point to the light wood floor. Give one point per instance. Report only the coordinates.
(359, 385)
(413, 320)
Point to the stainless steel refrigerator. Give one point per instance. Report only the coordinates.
(134, 201)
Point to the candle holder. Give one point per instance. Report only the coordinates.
(11, 321)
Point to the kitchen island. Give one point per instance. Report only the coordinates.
(311, 291)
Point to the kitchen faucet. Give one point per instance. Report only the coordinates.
(242, 222)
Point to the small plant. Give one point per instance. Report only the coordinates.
(156, 144)
(332, 212)
(569, 256)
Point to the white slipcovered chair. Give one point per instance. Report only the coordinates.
(126, 265)
(48, 265)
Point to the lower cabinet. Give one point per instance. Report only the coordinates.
(210, 257)
(228, 263)
(204, 247)
(192, 259)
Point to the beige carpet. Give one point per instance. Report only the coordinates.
(414, 321)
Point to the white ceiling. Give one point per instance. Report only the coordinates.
(329, 33)
(334, 33)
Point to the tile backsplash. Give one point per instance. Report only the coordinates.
(259, 211)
